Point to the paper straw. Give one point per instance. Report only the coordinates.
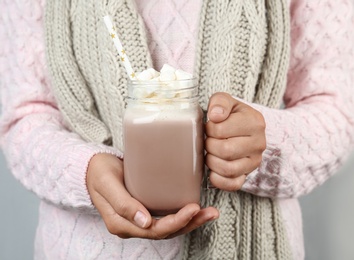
(117, 43)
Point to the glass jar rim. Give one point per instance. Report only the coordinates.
(184, 90)
(164, 82)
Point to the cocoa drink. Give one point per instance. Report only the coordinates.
(163, 145)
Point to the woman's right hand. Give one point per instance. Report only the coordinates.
(126, 217)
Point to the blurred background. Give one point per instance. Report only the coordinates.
(328, 216)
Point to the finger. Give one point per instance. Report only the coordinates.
(237, 124)
(232, 169)
(227, 184)
(205, 215)
(159, 229)
(220, 106)
(115, 224)
(115, 193)
(234, 148)
(164, 227)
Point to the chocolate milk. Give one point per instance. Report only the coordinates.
(163, 157)
(163, 145)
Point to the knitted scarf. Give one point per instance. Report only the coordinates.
(242, 49)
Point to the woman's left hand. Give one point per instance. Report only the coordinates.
(235, 141)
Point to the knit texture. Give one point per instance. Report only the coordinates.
(92, 97)
(243, 49)
(171, 29)
(307, 142)
(230, 57)
(235, 35)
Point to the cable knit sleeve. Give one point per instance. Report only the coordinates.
(47, 158)
(310, 139)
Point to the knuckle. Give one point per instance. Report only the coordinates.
(123, 235)
(231, 186)
(208, 144)
(259, 136)
(208, 128)
(256, 119)
(227, 184)
(229, 170)
(260, 122)
(111, 228)
(258, 160)
(220, 95)
(236, 185)
(218, 131)
(123, 208)
(114, 230)
(260, 146)
(158, 236)
(227, 150)
(208, 160)
(263, 144)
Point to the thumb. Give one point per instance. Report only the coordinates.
(128, 207)
(105, 183)
(124, 206)
(220, 107)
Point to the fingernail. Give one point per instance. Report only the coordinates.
(217, 110)
(140, 219)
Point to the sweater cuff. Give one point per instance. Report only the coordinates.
(78, 196)
(268, 179)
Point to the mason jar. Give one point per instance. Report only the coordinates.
(163, 144)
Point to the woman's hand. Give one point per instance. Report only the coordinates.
(126, 217)
(235, 141)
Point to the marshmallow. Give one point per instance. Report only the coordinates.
(144, 75)
(180, 74)
(154, 73)
(183, 84)
(144, 92)
(164, 80)
(167, 76)
(148, 74)
(167, 68)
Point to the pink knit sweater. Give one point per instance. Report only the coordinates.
(306, 142)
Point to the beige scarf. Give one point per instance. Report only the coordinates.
(242, 48)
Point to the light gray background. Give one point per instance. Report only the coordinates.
(328, 214)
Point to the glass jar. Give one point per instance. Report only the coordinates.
(163, 144)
